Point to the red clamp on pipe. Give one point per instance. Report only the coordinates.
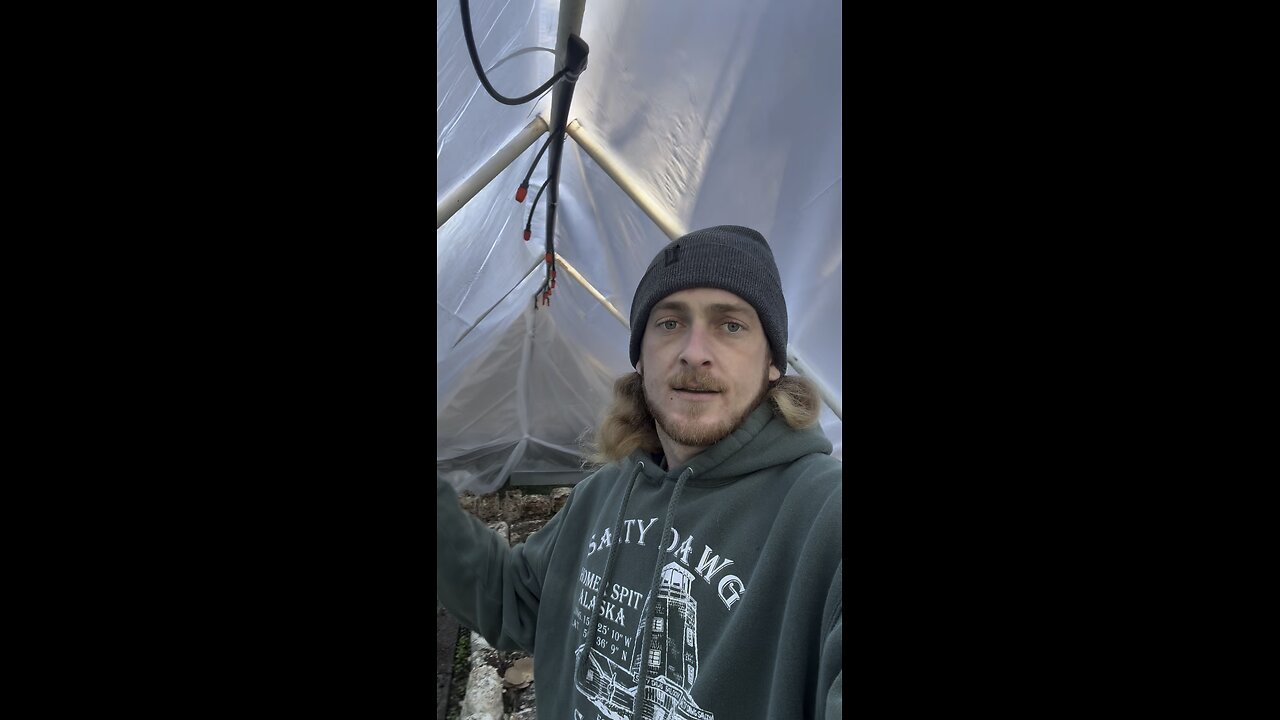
(520, 193)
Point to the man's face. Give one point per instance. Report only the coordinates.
(706, 364)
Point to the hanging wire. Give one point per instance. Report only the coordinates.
(575, 62)
(524, 186)
(517, 53)
(528, 225)
(484, 80)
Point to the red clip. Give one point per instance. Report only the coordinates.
(526, 234)
(520, 193)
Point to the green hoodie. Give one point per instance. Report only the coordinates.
(743, 604)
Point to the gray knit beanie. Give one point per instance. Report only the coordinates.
(725, 257)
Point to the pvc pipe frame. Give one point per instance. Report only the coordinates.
(656, 212)
(605, 159)
(506, 155)
(570, 22)
(573, 273)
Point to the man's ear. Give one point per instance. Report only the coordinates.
(640, 368)
(773, 373)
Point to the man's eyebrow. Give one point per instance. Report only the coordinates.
(727, 309)
(672, 306)
(682, 308)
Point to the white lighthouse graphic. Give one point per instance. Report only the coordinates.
(671, 664)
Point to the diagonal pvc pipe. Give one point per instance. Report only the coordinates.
(573, 273)
(474, 325)
(625, 180)
(506, 155)
(829, 395)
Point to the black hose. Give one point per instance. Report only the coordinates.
(475, 62)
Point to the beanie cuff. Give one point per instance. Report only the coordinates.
(735, 262)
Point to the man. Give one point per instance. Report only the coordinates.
(698, 573)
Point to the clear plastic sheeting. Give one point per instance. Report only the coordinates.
(470, 125)
(722, 111)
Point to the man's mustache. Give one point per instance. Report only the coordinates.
(696, 381)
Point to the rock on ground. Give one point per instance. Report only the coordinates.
(515, 516)
(484, 694)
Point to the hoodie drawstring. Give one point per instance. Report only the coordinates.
(646, 617)
(608, 572)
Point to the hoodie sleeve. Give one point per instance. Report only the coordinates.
(831, 663)
(835, 698)
(490, 587)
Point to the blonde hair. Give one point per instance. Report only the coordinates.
(628, 426)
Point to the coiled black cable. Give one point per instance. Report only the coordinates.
(484, 80)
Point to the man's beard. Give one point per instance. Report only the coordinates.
(693, 433)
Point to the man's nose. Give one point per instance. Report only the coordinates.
(697, 349)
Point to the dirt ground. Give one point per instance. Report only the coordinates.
(515, 513)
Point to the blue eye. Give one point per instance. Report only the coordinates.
(667, 324)
(733, 327)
